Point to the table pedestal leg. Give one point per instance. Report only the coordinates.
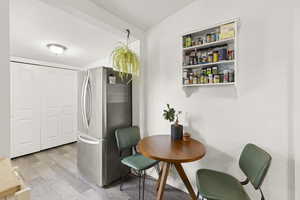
(163, 180)
(185, 180)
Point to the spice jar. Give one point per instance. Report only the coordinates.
(216, 56)
(210, 78)
(188, 41)
(223, 54)
(226, 76)
(215, 70)
(202, 79)
(216, 78)
(217, 34)
(185, 81)
(205, 79)
(208, 70)
(185, 74)
(230, 54)
(231, 76)
(210, 57)
(195, 80)
(208, 38)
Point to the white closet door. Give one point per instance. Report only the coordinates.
(44, 108)
(68, 106)
(59, 104)
(25, 115)
(50, 112)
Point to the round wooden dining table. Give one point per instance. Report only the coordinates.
(171, 152)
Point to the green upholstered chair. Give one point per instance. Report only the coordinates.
(214, 185)
(127, 139)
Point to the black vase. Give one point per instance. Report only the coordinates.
(176, 132)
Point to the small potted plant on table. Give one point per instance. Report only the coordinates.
(176, 129)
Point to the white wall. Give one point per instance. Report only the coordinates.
(4, 80)
(296, 98)
(227, 118)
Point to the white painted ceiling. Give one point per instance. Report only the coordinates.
(34, 24)
(142, 13)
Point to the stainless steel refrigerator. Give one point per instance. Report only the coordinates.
(106, 104)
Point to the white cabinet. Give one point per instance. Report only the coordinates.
(44, 108)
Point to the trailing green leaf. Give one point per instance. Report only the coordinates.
(125, 61)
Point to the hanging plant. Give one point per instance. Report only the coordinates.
(125, 60)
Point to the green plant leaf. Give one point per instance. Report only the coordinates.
(125, 61)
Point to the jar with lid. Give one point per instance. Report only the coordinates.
(195, 80)
(200, 41)
(208, 70)
(231, 76)
(217, 34)
(185, 81)
(202, 78)
(208, 38)
(225, 76)
(210, 57)
(191, 78)
(213, 37)
(210, 78)
(223, 53)
(204, 58)
(215, 70)
(216, 78)
(188, 41)
(216, 56)
(230, 54)
(185, 73)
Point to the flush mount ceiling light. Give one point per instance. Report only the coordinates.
(56, 48)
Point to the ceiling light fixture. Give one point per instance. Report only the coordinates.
(56, 48)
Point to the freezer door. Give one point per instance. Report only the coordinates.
(89, 159)
(118, 109)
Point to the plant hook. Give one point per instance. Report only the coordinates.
(128, 34)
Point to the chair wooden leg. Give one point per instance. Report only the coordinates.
(163, 181)
(185, 180)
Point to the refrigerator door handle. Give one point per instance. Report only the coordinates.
(88, 140)
(83, 101)
(89, 89)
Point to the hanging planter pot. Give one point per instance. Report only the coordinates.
(124, 60)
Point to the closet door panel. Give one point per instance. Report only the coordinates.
(69, 106)
(68, 130)
(25, 116)
(51, 108)
(59, 104)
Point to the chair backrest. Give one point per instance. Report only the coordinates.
(255, 162)
(127, 137)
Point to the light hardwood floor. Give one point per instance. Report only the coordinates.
(53, 175)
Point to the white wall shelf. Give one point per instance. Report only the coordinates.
(209, 55)
(209, 64)
(210, 44)
(209, 84)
